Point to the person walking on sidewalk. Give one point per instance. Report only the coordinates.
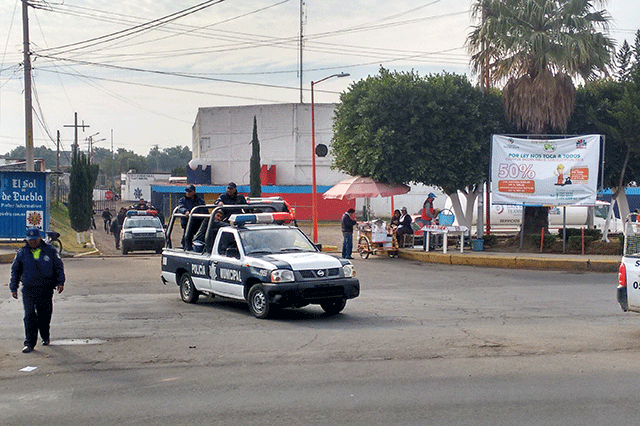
(115, 229)
(41, 271)
(348, 221)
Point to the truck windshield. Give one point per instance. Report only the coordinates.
(260, 241)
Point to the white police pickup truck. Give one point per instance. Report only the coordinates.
(262, 263)
(629, 270)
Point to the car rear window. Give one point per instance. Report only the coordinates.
(142, 222)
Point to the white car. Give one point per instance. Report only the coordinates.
(142, 230)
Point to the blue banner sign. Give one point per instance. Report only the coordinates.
(24, 203)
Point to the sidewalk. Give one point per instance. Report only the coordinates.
(544, 261)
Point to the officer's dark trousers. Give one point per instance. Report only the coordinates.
(37, 316)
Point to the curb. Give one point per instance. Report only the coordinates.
(515, 262)
(470, 259)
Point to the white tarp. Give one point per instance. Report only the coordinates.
(547, 172)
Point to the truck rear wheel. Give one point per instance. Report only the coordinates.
(188, 292)
(259, 302)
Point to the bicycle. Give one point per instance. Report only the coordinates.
(52, 239)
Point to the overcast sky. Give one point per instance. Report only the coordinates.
(143, 68)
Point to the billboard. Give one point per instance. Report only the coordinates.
(545, 172)
(24, 203)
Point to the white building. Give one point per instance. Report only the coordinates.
(136, 185)
(222, 138)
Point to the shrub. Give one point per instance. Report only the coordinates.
(548, 243)
(490, 240)
(591, 232)
(575, 242)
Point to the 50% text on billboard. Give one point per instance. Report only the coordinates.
(516, 171)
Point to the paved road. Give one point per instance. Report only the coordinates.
(424, 344)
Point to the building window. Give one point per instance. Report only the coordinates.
(205, 143)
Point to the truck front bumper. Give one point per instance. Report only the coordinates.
(316, 291)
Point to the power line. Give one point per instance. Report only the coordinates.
(136, 29)
(174, 74)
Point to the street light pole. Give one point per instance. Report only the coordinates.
(314, 190)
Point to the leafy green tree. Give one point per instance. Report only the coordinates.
(163, 161)
(254, 168)
(537, 47)
(401, 128)
(128, 160)
(81, 181)
(48, 155)
(610, 107)
(623, 59)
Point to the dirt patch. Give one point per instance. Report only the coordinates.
(512, 245)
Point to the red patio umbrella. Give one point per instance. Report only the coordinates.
(364, 187)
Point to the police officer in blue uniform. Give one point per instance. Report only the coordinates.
(186, 203)
(41, 271)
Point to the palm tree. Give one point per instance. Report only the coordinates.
(537, 47)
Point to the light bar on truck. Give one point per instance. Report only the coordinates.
(142, 213)
(253, 218)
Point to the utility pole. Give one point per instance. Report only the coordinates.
(58, 168)
(28, 117)
(112, 161)
(76, 125)
(301, 45)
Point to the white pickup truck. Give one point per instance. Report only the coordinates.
(265, 264)
(629, 270)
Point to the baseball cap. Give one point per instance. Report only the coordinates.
(190, 188)
(33, 234)
(431, 195)
(232, 185)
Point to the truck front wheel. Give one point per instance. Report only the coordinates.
(333, 307)
(188, 292)
(258, 302)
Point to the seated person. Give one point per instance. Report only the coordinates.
(395, 220)
(201, 236)
(405, 225)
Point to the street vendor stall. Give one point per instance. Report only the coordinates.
(373, 236)
(376, 237)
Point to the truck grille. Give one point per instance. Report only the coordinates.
(145, 235)
(310, 274)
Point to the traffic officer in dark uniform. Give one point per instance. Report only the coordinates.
(41, 271)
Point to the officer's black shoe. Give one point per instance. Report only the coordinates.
(45, 342)
(27, 349)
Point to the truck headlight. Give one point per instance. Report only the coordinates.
(127, 235)
(282, 276)
(159, 234)
(349, 270)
